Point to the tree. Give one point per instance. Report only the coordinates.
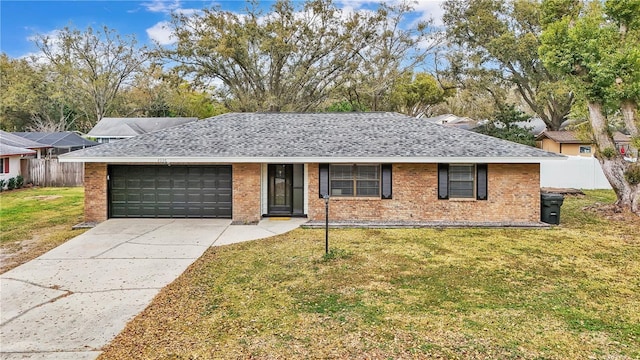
(416, 95)
(508, 124)
(596, 47)
(156, 93)
(33, 98)
(493, 43)
(21, 86)
(390, 57)
(96, 63)
(288, 59)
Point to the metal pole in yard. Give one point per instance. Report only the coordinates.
(326, 223)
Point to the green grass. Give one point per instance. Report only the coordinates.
(33, 221)
(563, 293)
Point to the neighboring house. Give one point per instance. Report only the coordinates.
(453, 120)
(61, 142)
(10, 160)
(568, 143)
(112, 129)
(379, 167)
(19, 142)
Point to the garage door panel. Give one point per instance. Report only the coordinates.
(163, 183)
(133, 198)
(148, 184)
(170, 191)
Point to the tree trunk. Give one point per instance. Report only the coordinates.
(612, 163)
(630, 116)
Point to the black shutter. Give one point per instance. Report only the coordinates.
(386, 181)
(443, 181)
(481, 181)
(323, 179)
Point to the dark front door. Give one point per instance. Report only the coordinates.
(280, 189)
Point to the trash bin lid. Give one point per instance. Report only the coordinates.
(551, 196)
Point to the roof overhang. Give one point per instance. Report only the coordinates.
(17, 154)
(304, 160)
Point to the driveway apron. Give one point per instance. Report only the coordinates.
(73, 300)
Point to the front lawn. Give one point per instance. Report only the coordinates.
(34, 221)
(571, 292)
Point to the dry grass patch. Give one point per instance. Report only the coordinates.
(565, 293)
(34, 221)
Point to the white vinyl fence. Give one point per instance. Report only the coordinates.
(575, 172)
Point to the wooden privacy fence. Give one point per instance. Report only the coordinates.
(51, 172)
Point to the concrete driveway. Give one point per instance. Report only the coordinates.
(73, 300)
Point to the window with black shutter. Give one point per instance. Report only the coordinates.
(356, 180)
(462, 181)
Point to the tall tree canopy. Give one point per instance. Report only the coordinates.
(287, 59)
(33, 97)
(417, 95)
(596, 46)
(493, 43)
(95, 62)
(154, 92)
(398, 45)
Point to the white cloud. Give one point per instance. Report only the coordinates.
(161, 33)
(425, 9)
(53, 38)
(430, 9)
(162, 6)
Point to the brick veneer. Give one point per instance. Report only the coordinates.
(246, 193)
(95, 192)
(513, 196)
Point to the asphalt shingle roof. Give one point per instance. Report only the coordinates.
(125, 127)
(8, 150)
(570, 137)
(17, 141)
(62, 139)
(310, 135)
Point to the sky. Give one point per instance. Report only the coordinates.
(21, 20)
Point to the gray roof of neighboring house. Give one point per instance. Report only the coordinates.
(128, 127)
(18, 141)
(62, 139)
(571, 137)
(246, 137)
(8, 150)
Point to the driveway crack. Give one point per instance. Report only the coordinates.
(54, 287)
(133, 238)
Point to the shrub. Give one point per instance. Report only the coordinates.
(633, 174)
(608, 152)
(19, 182)
(11, 184)
(3, 183)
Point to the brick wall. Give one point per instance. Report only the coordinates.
(95, 192)
(513, 196)
(246, 193)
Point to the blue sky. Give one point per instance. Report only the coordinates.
(22, 19)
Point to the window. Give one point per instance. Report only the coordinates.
(462, 181)
(354, 180)
(4, 165)
(585, 149)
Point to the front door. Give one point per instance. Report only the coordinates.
(280, 189)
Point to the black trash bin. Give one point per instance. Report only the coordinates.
(550, 208)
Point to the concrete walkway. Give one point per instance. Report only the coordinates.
(73, 300)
